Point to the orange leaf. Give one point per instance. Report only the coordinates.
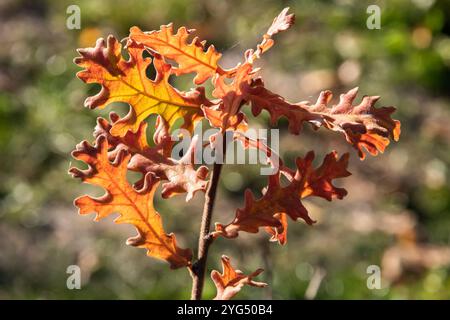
(278, 200)
(134, 206)
(190, 57)
(362, 125)
(226, 114)
(181, 175)
(126, 81)
(281, 23)
(231, 281)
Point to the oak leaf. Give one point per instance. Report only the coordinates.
(363, 125)
(281, 23)
(181, 175)
(231, 281)
(281, 200)
(226, 114)
(190, 57)
(135, 206)
(126, 81)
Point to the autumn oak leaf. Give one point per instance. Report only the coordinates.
(279, 201)
(181, 176)
(281, 23)
(135, 206)
(226, 114)
(190, 57)
(363, 125)
(231, 281)
(126, 81)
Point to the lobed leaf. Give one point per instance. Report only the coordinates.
(363, 125)
(181, 175)
(278, 200)
(135, 206)
(190, 57)
(226, 113)
(281, 23)
(126, 81)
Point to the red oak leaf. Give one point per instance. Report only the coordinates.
(363, 125)
(278, 200)
(226, 113)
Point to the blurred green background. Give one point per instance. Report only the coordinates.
(397, 213)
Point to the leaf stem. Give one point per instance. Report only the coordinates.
(199, 267)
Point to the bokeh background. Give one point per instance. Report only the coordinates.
(397, 213)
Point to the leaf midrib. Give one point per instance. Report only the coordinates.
(174, 103)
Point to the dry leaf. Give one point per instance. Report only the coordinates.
(226, 113)
(126, 81)
(190, 57)
(363, 125)
(181, 175)
(135, 206)
(277, 200)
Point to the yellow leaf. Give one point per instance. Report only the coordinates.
(126, 81)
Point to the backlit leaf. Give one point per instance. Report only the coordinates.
(226, 114)
(126, 81)
(281, 23)
(135, 206)
(363, 125)
(181, 175)
(281, 200)
(190, 57)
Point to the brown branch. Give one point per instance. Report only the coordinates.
(199, 267)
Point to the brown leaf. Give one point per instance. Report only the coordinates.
(281, 23)
(135, 206)
(181, 175)
(256, 143)
(362, 125)
(231, 281)
(277, 200)
(226, 113)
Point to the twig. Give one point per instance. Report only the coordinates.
(205, 240)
